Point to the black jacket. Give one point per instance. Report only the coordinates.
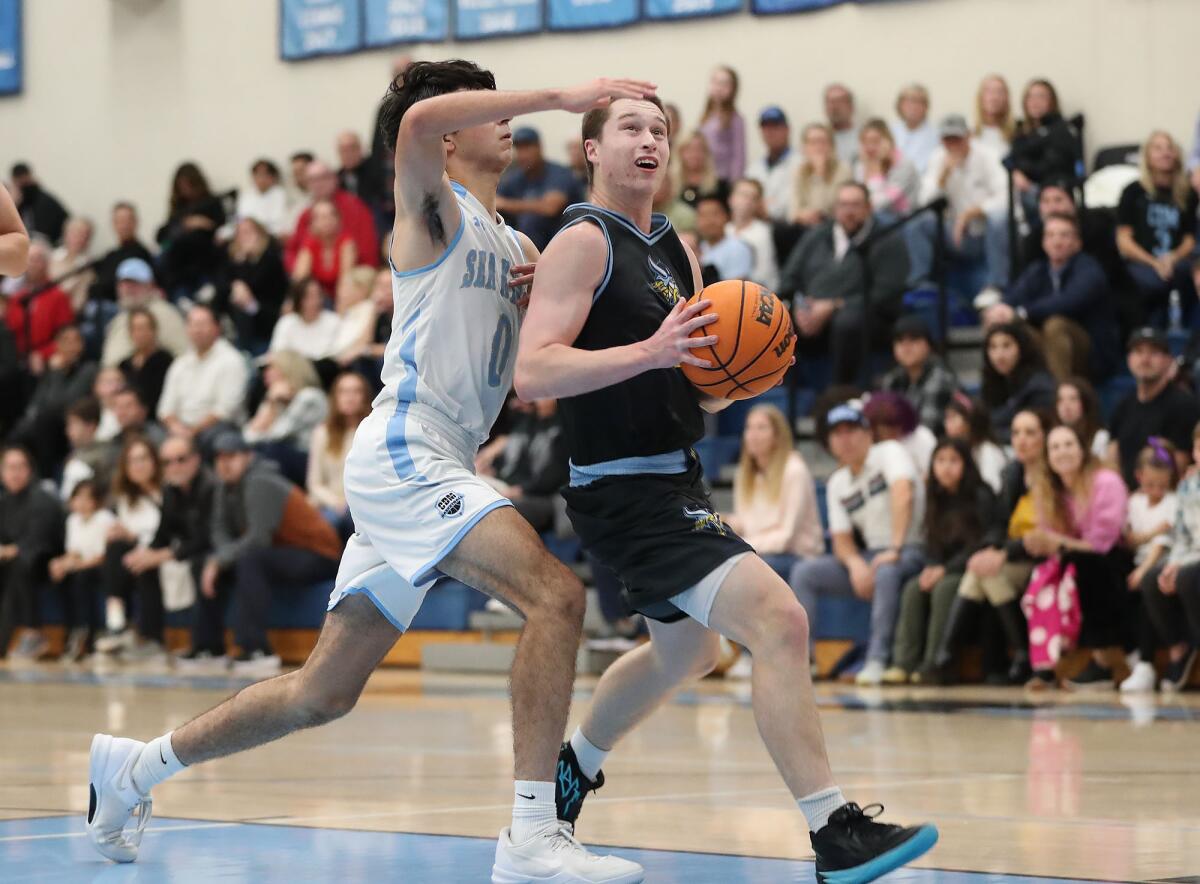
(953, 555)
(105, 286)
(1046, 151)
(33, 520)
(812, 269)
(42, 213)
(266, 278)
(186, 525)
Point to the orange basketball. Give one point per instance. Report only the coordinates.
(755, 341)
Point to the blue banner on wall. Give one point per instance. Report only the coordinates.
(475, 19)
(658, 10)
(773, 7)
(581, 15)
(11, 58)
(387, 22)
(310, 28)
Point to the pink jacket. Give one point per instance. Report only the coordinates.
(1101, 523)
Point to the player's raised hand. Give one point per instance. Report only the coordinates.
(672, 344)
(601, 92)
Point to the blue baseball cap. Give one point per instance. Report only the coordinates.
(526, 135)
(847, 413)
(772, 116)
(135, 270)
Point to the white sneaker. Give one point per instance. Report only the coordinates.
(257, 665)
(1140, 681)
(555, 857)
(871, 675)
(115, 642)
(114, 799)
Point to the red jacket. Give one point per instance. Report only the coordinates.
(357, 221)
(51, 311)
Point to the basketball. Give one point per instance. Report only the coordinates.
(755, 341)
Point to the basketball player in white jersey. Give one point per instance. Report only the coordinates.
(420, 511)
(637, 499)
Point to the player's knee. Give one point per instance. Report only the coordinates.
(557, 594)
(705, 660)
(321, 703)
(786, 625)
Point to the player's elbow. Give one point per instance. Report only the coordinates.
(525, 380)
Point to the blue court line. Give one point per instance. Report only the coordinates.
(181, 851)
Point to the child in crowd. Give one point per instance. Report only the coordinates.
(77, 571)
(1170, 591)
(961, 518)
(89, 458)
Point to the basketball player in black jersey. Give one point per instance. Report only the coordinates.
(606, 330)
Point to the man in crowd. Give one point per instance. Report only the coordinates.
(534, 191)
(133, 419)
(39, 209)
(971, 179)
(136, 288)
(915, 136)
(827, 275)
(36, 313)
(839, 111)
(776, 171)
(125, 232)
(205, 388)
(67, 379)
(1158, 407)
(1096, 226)
(299, 199)
(729, 256)
(875, 495)
(31, 524)
(358, 174)
(920, 374)
(357, 221)
(265, 534)
(1065, 295)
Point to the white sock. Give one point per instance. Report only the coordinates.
(157, 762)
(114, 614)
(590, 757)
(533, 810)
(819, 805)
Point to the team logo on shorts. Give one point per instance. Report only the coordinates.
(705, 520)
(450, 505)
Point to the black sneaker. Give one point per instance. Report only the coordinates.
(571, 786)
(1093, 678)
(1179, 673)
(852, 848)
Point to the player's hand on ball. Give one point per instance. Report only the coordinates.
(672, 344)
(602, 92)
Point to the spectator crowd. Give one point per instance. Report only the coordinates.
(176, 413)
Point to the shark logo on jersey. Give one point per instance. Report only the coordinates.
(705, 520)
(664, 284)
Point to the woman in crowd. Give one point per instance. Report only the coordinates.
(774, 497)
(254, 285)
(307, 326)
(1170, 594)
(997, 575)
(994, 126)
(892, 180)
(1081, 508)
(747, 224)
(266, 199)
(1078, 406)
(967, 419)
(1156, 229)
(349, 403)
(328, 252)
(137, 497)
(818, 176)
(293, 406)
(961, 518)
(72, 257)
(190, 257)
(893, 417)
(356, 315)
(723, 126)
(78, 569)
(1014, 376)
(145, 369)
(1043, 146)
(108, 383)
(697, 172)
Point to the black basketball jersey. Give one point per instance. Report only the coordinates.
(656, 412)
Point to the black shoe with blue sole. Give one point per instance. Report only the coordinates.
(853, 849)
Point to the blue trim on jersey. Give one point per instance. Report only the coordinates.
(406, 391)
(428, 570)
(659, 223)
(656, 464)
(362, 590)
(608, 267)
(405, 274)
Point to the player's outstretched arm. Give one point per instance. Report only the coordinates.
(568, 274)
(14, 240)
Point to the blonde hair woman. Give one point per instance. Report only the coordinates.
(891, 179)
(774, 497)
(356, 312)
(994, 124)
(818, 176)
(1156, 229)
(697, 171)
(293, 406)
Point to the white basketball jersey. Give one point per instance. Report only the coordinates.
(454, 331)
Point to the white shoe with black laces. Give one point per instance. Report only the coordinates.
(554, 857)
(114, 800)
